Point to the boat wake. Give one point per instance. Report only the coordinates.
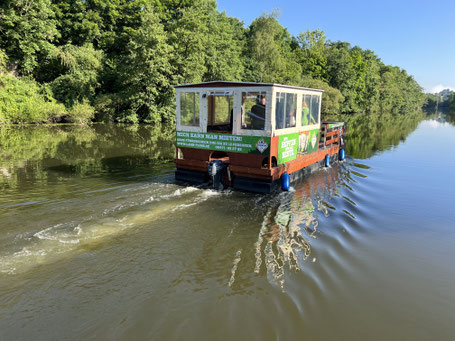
(130, 208)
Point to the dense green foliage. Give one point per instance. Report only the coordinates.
(25, 101)
(116, 60)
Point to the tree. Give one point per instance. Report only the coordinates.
(342, 74)
(79, 22)
(3, 61)
(370, 99)
(147, 75)
(28, 29)
(25, 101)
(225, 45)
(430, 104)
(311, 54)
(269, 50)
(451, 108)
(123, 56)
(332, 98)
(79, 68)
(188, 38)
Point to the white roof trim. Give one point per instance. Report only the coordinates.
(248, 84)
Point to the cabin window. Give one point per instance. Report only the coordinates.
(310, 110)
(314, 112)
(306, 104)
(220, 107)
(285, 110)
(189, 108)
(253, 110)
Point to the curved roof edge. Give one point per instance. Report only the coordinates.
(223, 84)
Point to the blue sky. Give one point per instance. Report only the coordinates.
(418, 36)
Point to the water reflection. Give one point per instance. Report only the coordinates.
(102, 241)
(35, 157)
(284, 241)
(446, 115)
(368, 134)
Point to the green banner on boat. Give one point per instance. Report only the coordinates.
(313, 141)
(224, 142)
(287, 147)
(335, 125)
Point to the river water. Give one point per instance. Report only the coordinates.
(97, 241)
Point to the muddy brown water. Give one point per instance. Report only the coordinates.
(97, 241)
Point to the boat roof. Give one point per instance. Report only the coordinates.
(226, 84)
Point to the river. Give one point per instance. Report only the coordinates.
(98, 242)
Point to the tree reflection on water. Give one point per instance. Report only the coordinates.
(42, 154)
(368, 134)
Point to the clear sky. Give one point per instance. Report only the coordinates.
(418, 35)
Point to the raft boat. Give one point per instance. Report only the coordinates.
(256, 137)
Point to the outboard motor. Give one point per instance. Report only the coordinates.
(216, 171)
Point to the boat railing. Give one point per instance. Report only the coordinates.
(331, 133)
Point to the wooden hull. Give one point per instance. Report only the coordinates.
(253, 179)
(258, 173)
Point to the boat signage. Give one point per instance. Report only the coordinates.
(313, 139)
(224, 142)
(335, 125)
(287, 147)
(308, 141)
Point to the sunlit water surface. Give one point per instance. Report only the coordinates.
(97, 241)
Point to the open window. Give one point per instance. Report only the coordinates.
(253, 110)
(220, 111)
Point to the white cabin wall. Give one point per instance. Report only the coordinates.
(269, 129)
(203, 116)
(320, 108)
(298, 118)
(237, 119)
(237, 92)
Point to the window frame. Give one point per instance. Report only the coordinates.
(237, 127)
(286, 93)
(316, 125)
(319, 108)
(243, 109)
(215, 95)
(181, 127)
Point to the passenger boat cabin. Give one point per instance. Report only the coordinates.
(258, 131)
